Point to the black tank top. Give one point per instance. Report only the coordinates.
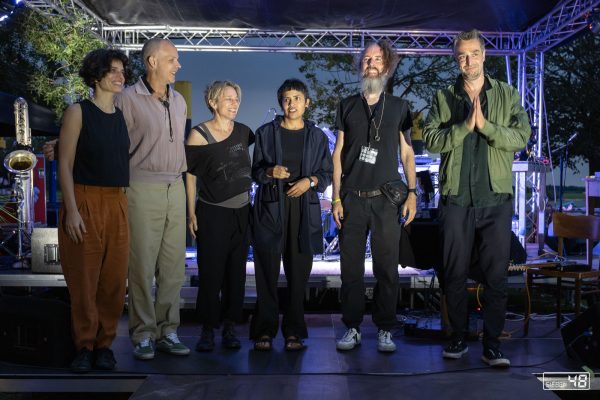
(102, 155)
(222, 168)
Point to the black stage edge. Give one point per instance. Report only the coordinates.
(415, 371)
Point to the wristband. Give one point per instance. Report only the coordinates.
(412, 191)
(336, 201)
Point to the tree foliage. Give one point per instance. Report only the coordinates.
(572, 92)
(19, 59)
(42, 54)
(62, 42)
(331, 77)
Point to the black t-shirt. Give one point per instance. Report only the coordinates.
(392, 115)
(292, 146)
(222, 168)
(102, 155)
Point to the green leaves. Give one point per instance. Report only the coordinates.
(331, 77)
(60, 43)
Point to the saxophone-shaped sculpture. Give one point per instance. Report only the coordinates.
(21, 162)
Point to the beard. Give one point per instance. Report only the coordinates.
(472, 75)
(375, 84)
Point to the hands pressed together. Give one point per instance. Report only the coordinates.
(475, 119)
(297, 188)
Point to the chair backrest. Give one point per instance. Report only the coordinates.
(575, 226)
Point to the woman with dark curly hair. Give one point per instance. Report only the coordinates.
(93, 233)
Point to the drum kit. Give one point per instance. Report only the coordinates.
(330, 231)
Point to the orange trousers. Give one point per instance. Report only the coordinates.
(96, 269)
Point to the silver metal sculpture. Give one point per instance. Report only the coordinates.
(21, 162)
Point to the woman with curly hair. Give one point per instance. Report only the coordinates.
(93, 233)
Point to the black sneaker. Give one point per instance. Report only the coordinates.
(495, 358)
(206, 341)
(230, 341)
(82, 362)
(455, 349)
(104, 359)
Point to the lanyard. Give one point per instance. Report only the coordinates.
(371, 116)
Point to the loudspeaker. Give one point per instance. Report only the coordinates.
(35, 331)
(581, 337)
(420, 245)
(518, 255)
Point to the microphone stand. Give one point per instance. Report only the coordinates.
(563, 158)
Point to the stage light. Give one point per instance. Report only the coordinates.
(593, 20)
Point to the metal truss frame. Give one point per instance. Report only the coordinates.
(567, 19)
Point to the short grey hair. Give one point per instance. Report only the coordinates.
(468, 35)
(151, 47)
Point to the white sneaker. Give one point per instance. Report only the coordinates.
(384, 342)
(144, 350)
(171, 344)
(350, 340)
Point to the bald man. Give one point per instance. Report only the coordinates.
(155, 115)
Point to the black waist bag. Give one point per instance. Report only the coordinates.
(395, 191)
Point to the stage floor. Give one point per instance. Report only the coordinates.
(415, 371)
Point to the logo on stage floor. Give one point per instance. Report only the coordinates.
(566, 381)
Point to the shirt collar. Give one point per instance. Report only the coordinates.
(140, 88)
(459, 86)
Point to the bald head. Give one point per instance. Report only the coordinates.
(161, 62)
(152, 47)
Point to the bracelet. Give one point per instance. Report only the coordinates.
(412, 191)
(336, 201)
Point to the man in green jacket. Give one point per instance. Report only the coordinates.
(476, 125)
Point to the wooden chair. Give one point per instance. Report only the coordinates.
(582, 283)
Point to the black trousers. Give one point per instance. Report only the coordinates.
(379, 216)
(296, 266)
(222, 238)
(476, 238)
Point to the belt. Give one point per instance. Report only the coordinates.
(367, 194)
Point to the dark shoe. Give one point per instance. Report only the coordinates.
(294, 343)
(104, 359)
(230, 341)
(206, 341)
(82, 362)
(495, 358)
(264, 343)
(455, 349)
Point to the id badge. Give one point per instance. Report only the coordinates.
(368, 154)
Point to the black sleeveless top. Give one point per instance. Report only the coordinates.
(102, 155)
(222, 168)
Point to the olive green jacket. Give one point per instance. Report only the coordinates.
(506, 130)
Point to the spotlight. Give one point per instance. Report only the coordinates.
(593, 20)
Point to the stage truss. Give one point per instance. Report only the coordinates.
(567, 19)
